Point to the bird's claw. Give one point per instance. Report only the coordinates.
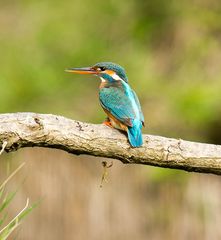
(108, 123)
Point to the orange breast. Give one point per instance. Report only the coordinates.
(115, 122)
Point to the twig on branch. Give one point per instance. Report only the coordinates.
(46, 130)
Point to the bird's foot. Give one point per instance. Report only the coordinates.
(108, 123)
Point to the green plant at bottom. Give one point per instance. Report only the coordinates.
(5, 200)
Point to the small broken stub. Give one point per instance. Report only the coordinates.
(39, 122)
(79, 127)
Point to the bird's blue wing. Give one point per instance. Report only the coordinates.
(139, 107)
(114, 100)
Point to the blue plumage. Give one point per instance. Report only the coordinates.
(114, 100)
(118, 100)
(121, 101)
(135, 134)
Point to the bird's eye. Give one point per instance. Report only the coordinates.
(101, 69)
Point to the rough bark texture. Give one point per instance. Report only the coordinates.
(45, 130)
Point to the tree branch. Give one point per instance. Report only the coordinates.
(45, 130)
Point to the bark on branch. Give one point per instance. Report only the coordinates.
(19, 130)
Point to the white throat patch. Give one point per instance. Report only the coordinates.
(113, 75)
(116, 77)
(103, 80)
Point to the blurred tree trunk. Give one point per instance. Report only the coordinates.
(19, 130)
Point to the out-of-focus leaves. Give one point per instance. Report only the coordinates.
(171, 52)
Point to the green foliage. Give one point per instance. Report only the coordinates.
(161, 175)
(170, 52)
(6, 198)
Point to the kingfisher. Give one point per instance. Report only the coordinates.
(117, 99)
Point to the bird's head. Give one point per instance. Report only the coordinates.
(107, 71)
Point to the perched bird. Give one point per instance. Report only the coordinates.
(118, 100)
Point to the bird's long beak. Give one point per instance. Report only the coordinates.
(85, 70)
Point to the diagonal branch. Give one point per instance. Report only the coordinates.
(45, 130)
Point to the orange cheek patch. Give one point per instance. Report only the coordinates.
(109, 72)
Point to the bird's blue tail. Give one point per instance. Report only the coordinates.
(135, 134)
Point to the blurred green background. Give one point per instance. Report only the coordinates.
(172, 54)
